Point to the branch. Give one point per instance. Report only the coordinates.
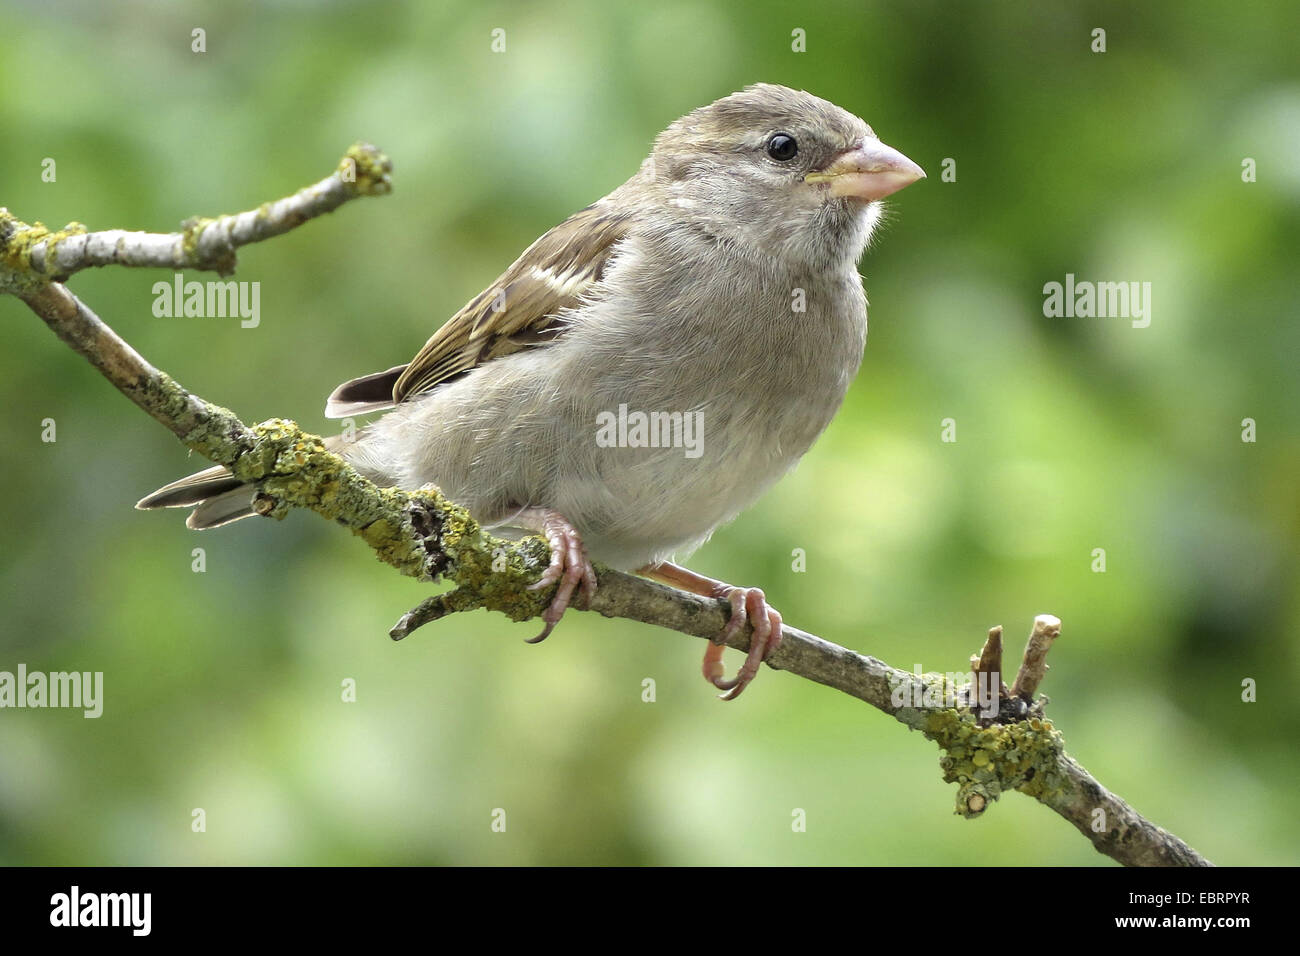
(993, 739)
(1034, 667)
(34, 255)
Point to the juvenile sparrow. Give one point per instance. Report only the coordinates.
(650, 366)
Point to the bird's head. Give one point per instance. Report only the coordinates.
(779, 171)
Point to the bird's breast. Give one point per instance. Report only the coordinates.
(707, 386)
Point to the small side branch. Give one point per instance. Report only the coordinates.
(37, 255)
(1034, 666)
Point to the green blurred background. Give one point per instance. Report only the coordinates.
(223, 688)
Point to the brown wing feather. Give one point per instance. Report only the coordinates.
(521, 309)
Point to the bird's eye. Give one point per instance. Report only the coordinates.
(782, 147)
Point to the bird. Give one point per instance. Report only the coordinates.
(649, 367)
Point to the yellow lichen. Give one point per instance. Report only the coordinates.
(366, 170)
(985, 761)
(17, 242)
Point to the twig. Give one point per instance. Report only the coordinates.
(39, 255)
(989, 660)
(1034, 666)
(424, 535)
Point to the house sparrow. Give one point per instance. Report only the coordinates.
(650, 366)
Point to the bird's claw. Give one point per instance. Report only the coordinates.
(747, 605)
(569, 566)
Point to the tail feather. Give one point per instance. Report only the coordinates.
(217, 496)
(191, 490)
(222, 509)
(221, 498)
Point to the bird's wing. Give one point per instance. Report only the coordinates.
(520, 310)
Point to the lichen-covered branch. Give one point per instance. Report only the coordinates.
(34, 254)
(993, 740)
(420, 533)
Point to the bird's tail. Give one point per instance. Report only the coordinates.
(217, 496)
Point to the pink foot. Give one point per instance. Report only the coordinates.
(748, 605)
(569, 565)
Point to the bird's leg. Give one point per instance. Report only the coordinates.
(569, 563)
(747, 605)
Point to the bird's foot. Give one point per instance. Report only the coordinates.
(569, 565)
(748, 606)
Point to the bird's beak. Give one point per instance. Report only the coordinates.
(871, 170)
